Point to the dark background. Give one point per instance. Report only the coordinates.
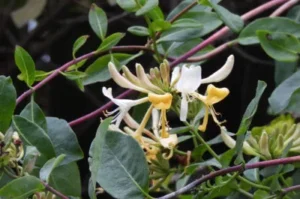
(63, 21)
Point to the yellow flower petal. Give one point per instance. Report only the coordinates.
(215, 95)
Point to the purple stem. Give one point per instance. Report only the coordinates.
(190, 53)
(238, 168)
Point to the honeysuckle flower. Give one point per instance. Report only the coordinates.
(189, 79)
(124, 105)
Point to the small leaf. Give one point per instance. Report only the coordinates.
(98, 71)
(259, 194)
(226, 158)
(281, 96)
(111, 41)
(77, 65)
(33, 135)
(179, 34)
(147, 7)
(294, 13)
(74, 75)
(179, 130)
(138, 31)
(30, 158)
(233, 21)
(64, 140)
(122, 176)
(128, 5)
(34, 113)
(79, 43)
(156, 14)
(21, 188)
(284, 70)
(8, 97)
(279, 46)
(66, 179)
(160, 25)
(98, 21)
(186, 23)
(41, 75)
(25, 64)
(275, 24)
(252, 174)
(49, 166)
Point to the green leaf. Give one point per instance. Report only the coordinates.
(259, 194)
(94, 152)
(122, 175)
(247, 119)
(30, 158)
(226, 158)
(74, 75)
(284, 70)
(179, 130)
(111, 41)
(186, 23)
(64, 140)
(276, 24)
(233, 21)
(138, 31)
(279, 46)
(33, 135)
(98, 71)
(77, 65)
(294, 104)
(21, 188)
(98, 21)
(147, 7)
(49, 166)
(41, 75)
(179, 34)
(160, 25)
(211, 162)
(34, 113)
(66, 179)
(79, 43)
(294, 14)
(7, 103)
(252, 174)
(281, 96)
(156, 14)
(25, 64)
(128, 5)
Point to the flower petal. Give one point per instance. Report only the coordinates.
(222, 73)
(169, 142)
(183, 107)
(215, 95)
(121, 80)
(190, 79)
(175, 76)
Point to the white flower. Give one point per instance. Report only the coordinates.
(190, 79)
(124, 105)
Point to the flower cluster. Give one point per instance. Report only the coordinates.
(269, 142)
(161, 89)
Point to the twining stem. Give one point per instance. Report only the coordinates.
(238, 168)
(203, 44)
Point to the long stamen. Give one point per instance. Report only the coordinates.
(202, 127)
(164, 133)
(140, 130)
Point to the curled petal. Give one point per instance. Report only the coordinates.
(222, 73)
(190, 79)
(169, 142)
(121, 80)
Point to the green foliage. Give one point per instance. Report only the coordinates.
(111, 41)
(138, 31)
(79, 43)
(25, 64)
(49, 166)
(7, 102)
(98, 21)
(147, 7)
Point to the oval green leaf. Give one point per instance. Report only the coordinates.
(78, 44)
(49, 166)
(111, 41)
(128, 5)
(7, 103)
(98, 21)
(138, 31)
(147, 7)
(25, 64)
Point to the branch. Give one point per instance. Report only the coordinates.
(289, 189)
(239, 168)
(203, 44)
(283, 8)
(54, 191)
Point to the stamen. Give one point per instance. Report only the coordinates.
(164, 133)
(168, 156)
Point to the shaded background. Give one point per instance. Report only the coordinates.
(61, 22)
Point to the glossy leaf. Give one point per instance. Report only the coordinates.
(77, 65)
(138, 31)
(279, 46)
(160, 25)
(49, 166)
(233, 21)
(66, 179)
(252, 174)
(41, 75)
(25, 64)
(281, 96)
(95, 152)
(275, 24)
(74, 75)
(294, 13)
(64, 140)
(121, 175)
(33, 135)
(179, 34)
(111, 41)
(98, 21)
(98, 71)
(284, 70)
(21, 188)
(128, 5)
(260, 194)
(34, 113)
(7, 103)
(186, 23)
(79, 43)
(156, 14)
(147, 7)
